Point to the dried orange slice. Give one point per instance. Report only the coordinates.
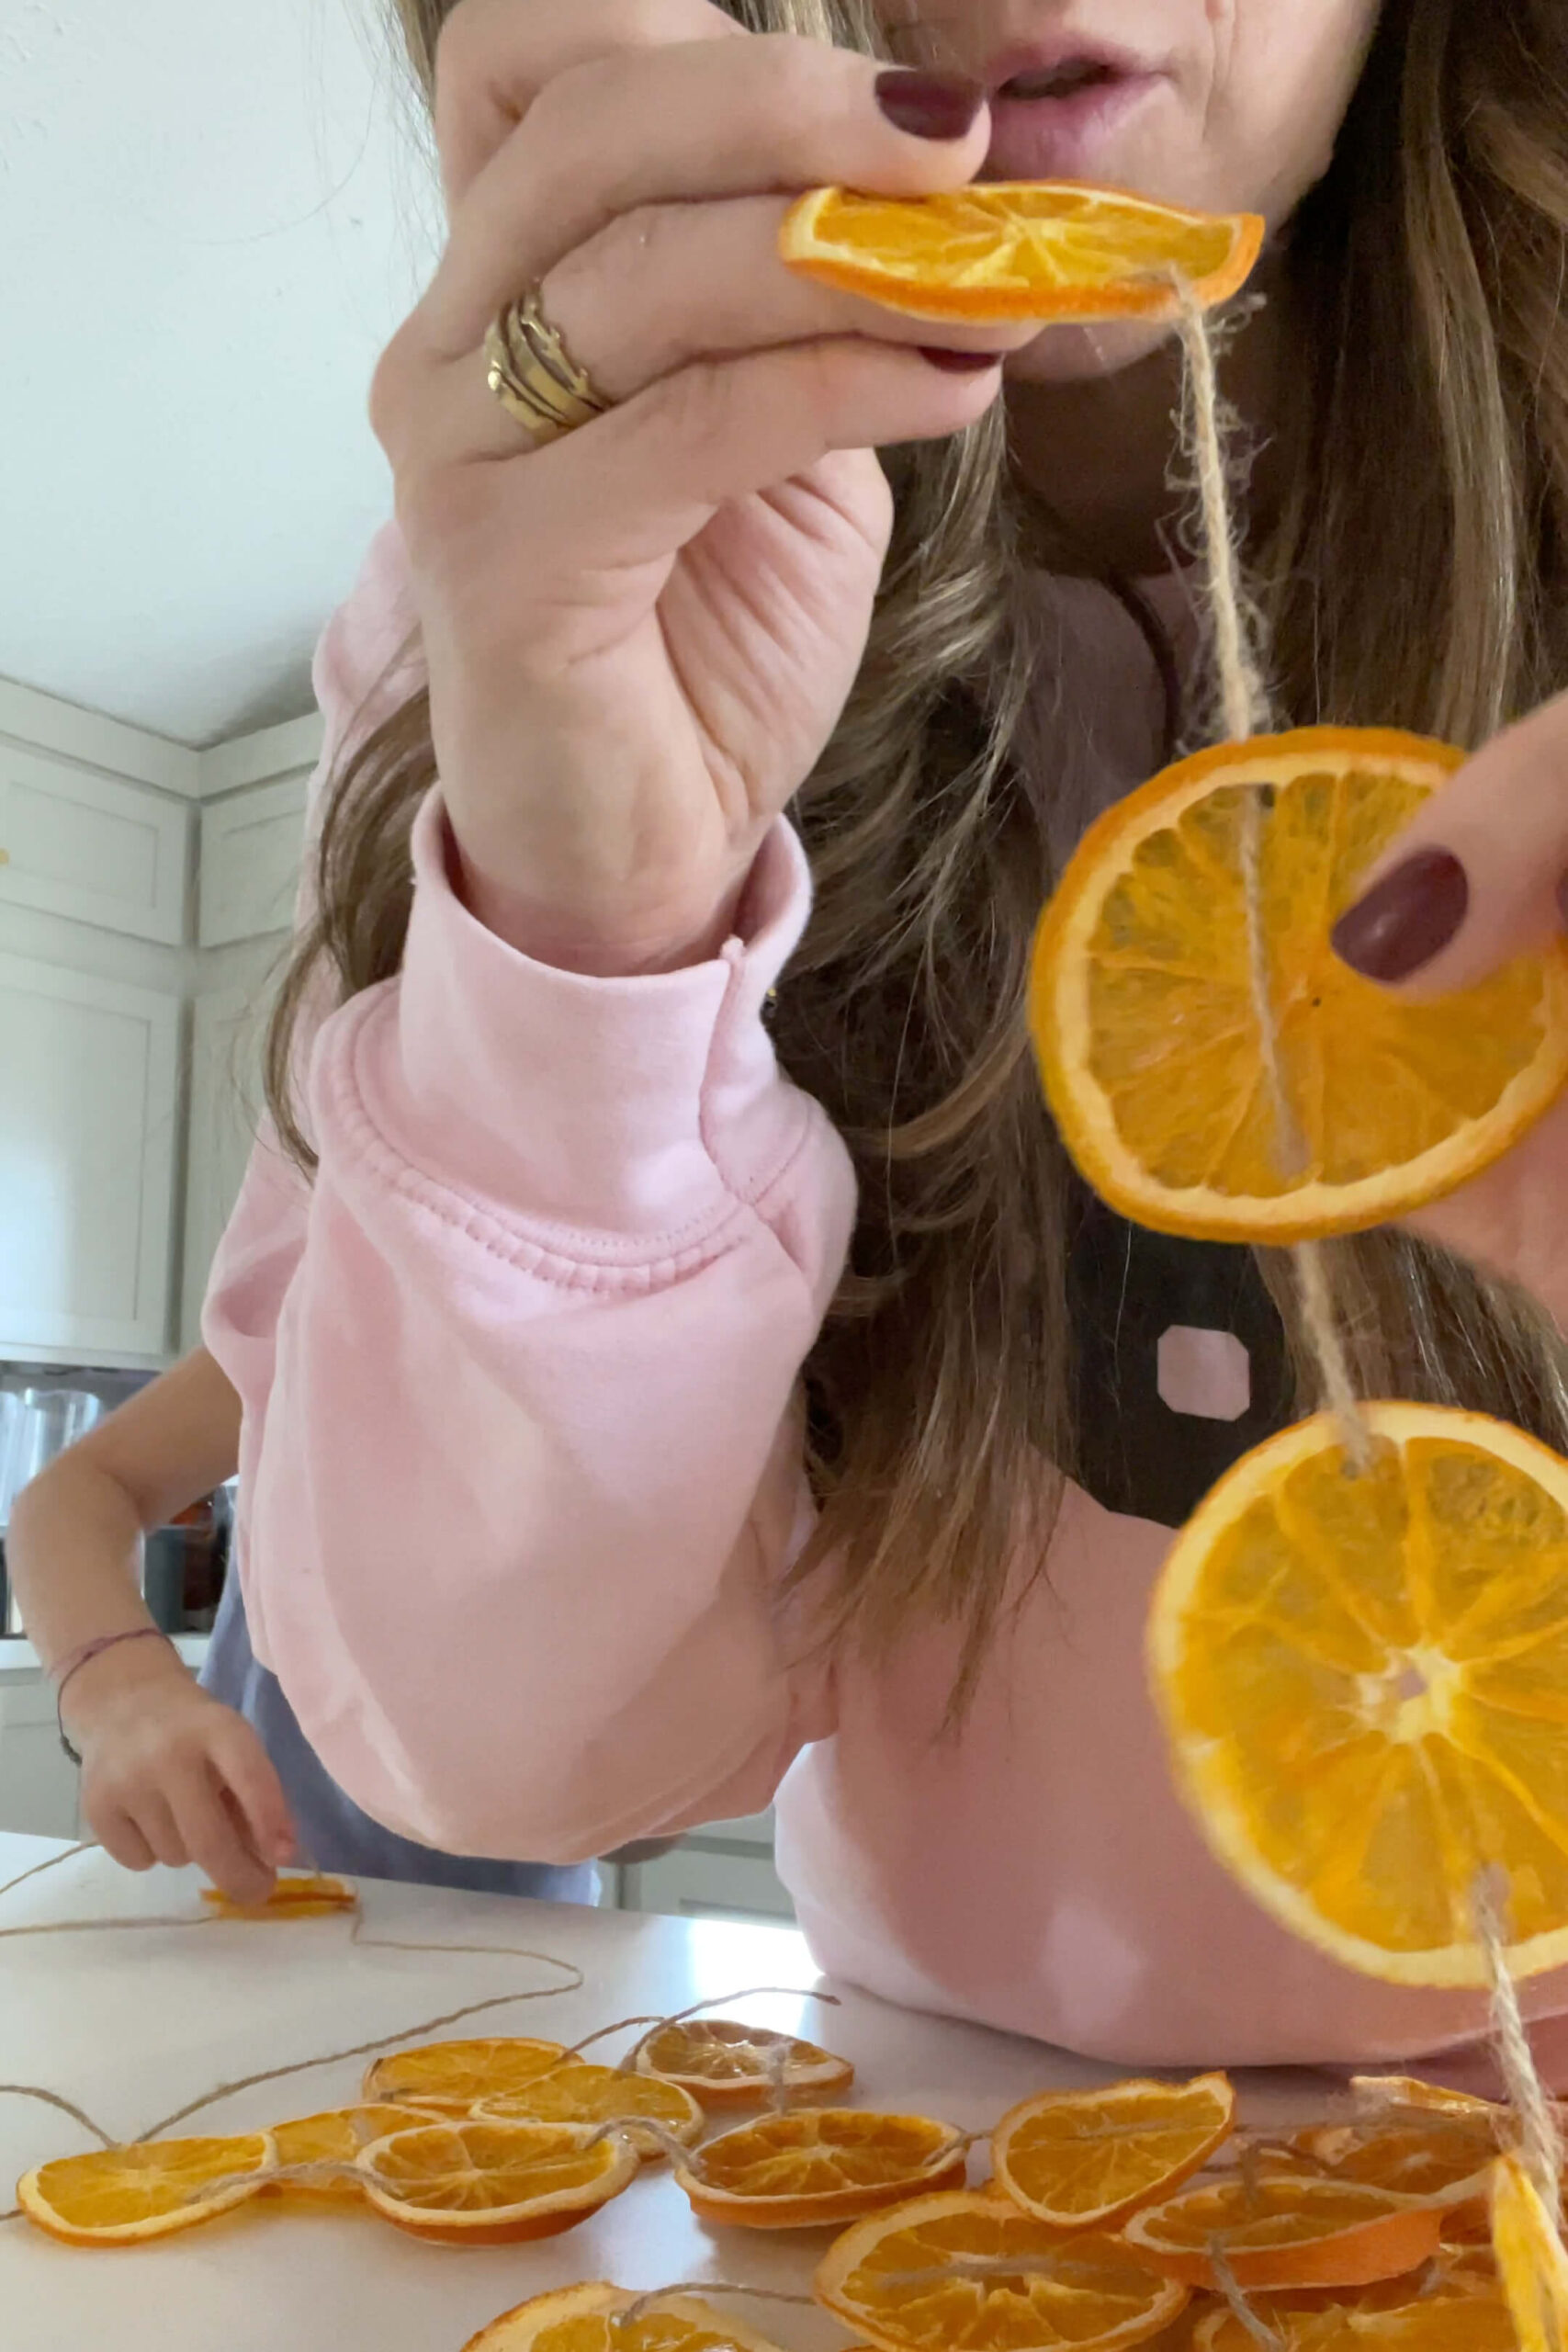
(1051, 250)
(334, 2138)
(1413, 2138)
(1531, 2261)
(1279, 2230)
(1085, 2159)
(824, 2163)
(123, 2196)
(451, 2077)
(579, 2093)
(587, 2319)
(970, 2269)
(468, 2182)
(1363, 1679)
(305, 1894)
(1439, 2322)
(1142, 1014)
(725, 2063)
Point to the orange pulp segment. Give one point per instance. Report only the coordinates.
(1531, 2261)
(1363, 1682)
(970, 2269)
(1142, 1012)
(815, 2164)
(1052, 250)
(1085, 2159)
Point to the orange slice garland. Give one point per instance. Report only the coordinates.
(1144, 1026)
(969, 2270)
(1531, 2265)
(1055, 251)
(1086, 2159)
(1279, 2230)
(125, 2196)
(725, 2063)
(1362, 1683)
(798, 2170)
(472, 2182)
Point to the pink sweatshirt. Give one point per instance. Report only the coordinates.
(521, 1472)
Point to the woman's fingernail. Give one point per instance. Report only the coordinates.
(1406, 920)
(961, 363)
(928, 106)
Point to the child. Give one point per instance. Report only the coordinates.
(659, 1392)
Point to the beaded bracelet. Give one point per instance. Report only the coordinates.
(76, 1659)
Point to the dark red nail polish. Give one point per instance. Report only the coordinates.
(1409, 917)
(928, 106)
(962, 362)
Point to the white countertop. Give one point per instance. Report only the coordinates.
(130, 2026)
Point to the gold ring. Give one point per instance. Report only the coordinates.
(533, 375)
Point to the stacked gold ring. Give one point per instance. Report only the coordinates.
(533, 375)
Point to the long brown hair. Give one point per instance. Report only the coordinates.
(1416, 577)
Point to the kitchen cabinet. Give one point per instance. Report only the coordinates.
(94, 848)
(37, 1779)
(724, 1870)
(228, 1028)
(89, 1104)
(249, 861)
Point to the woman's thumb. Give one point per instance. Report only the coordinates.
(1481, 875)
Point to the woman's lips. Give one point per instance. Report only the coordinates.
(1063, 136)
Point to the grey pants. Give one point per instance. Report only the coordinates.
(334, 1834)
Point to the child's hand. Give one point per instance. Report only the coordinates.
(169, 1775)
(1481, 876)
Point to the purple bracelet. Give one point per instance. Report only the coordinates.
(77, 1659)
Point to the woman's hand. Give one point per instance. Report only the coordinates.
(169, 1775)
(640, 636)
(1481, 876)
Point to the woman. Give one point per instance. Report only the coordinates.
(750, 1472)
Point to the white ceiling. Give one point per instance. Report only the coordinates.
(212, 213)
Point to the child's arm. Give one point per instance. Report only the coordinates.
(521, 1465)
(168, 1774)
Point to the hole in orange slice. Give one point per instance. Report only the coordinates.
(1085, 2159)
(1025, 249)
(1142, 1010)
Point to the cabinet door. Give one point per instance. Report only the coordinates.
(251, 847)
(225, 1104)
(90, 847)
(88, 1097)
(696, 1882)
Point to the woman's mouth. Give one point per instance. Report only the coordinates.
(1055, 116)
